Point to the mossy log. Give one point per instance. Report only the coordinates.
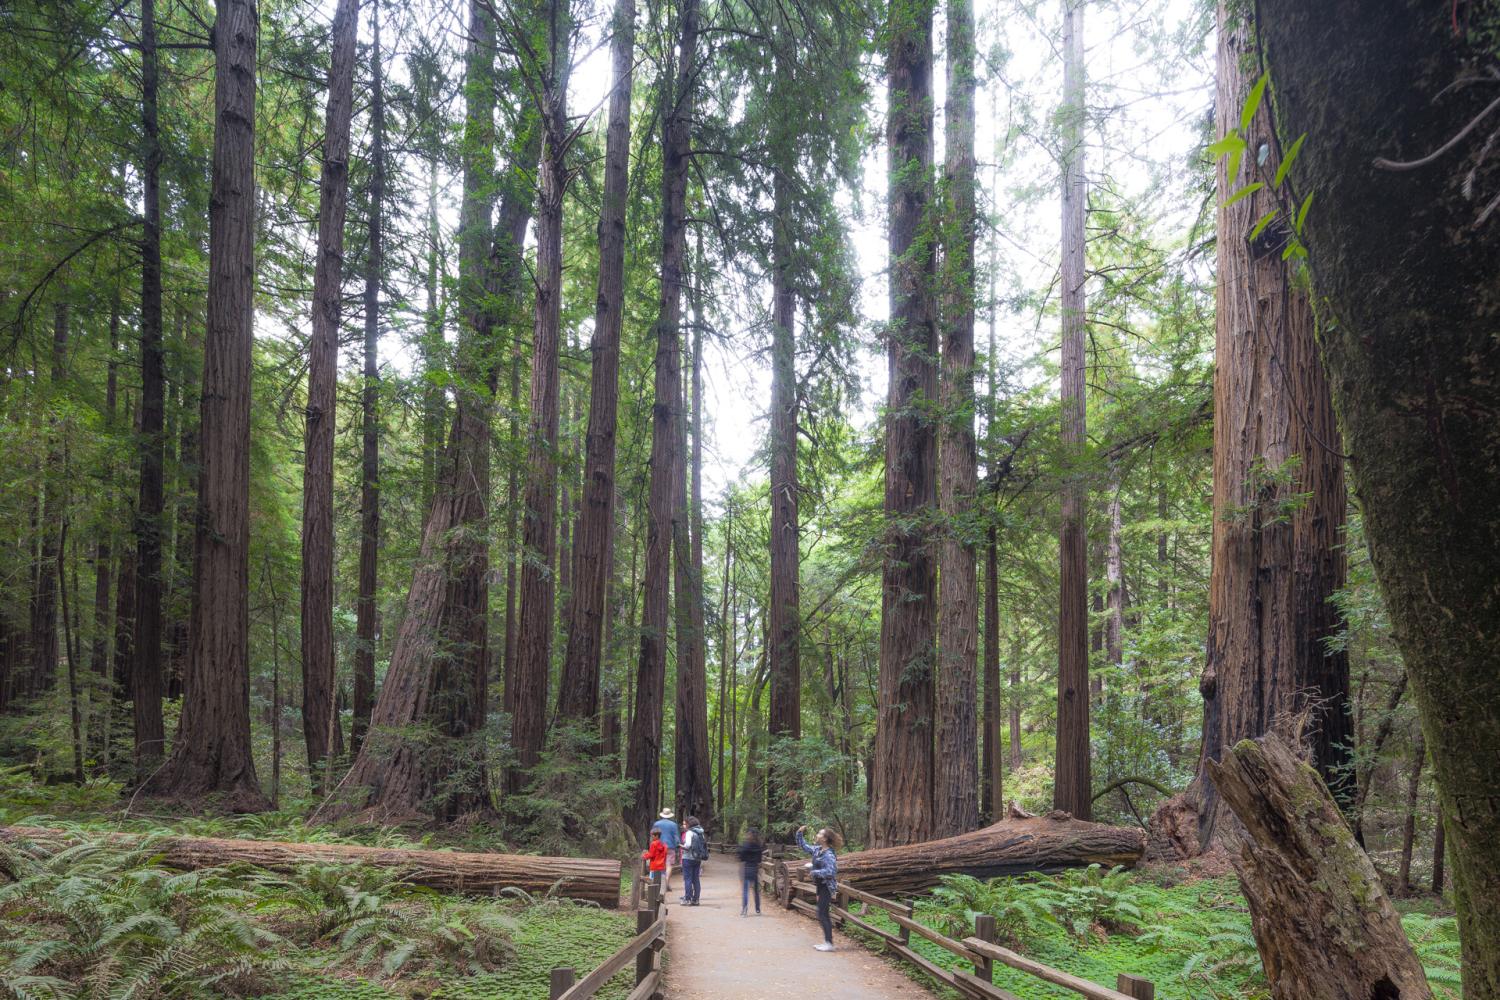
(472, 873)
(1325, 928)
(1013, 846)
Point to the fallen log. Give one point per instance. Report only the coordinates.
(1322, 922)
(1014, 846)
(472, 873)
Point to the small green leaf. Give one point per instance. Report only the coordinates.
(1243, 192)
(1252, 101)
(1286, 161)
(1262, 223)
(1294, 249)
(1232, 168)
(1229, 144)
(1302, 212)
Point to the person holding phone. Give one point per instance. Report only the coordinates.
(824, 868)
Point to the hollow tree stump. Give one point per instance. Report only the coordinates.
(1323, 924)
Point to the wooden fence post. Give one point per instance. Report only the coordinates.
(984, 929)
(562, 981)
(1135, 986)
(653, 898)
(644, 918)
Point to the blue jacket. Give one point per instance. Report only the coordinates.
(670, 834)
(825, 865)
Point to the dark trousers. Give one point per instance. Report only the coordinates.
(749, 880)
(692, 879)
(825, 900)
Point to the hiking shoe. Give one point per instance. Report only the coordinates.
(823, 946)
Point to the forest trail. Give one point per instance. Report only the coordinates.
(714, 952)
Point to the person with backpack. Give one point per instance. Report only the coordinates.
(824, 868)
(694, 853)
(751, 850)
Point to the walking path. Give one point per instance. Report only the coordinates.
(713, 952)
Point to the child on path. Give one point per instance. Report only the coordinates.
(656, 856)
(751, 850)
(694, 853)
(824, 869)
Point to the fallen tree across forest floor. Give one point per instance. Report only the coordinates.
(1016, 845)
(592, 879)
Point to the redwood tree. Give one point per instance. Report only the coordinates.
(901, 807)
(322, 377)
(211, 754)
(1405, 265)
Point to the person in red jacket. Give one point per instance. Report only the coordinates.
(656, 856)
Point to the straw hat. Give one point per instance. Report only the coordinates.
(666, 814)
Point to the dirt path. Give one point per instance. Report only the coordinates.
(714, 952)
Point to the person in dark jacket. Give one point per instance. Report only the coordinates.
(824, 868)
(694, 853)
(751, 850)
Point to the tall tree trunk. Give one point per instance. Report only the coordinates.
(146, 672)
(956, 757)
(578, 691)
(539, 534)
(54, 512)
(902, 802)
(693, 775)
(1114, 574)
(785, 615)
(1409, 825)
(726, 656)
(322, 379)
(1439, 844)
(434, 406)
(994, 755)
(1275, 447)
(643, 755)
(212, 754)
(104, 550)
(1072, 788)
(369, 472)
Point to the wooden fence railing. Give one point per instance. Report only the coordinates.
(645, 948)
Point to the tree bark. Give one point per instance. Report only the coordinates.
(1013, 846)
(994, 755)
(539, 533)
(902, 805)
(592, 880)
(1409, 826)
(643, 755)
(1114, 574)
(578, 690)
(1278, 480)
(104, 550)
(1323, 924)
(1072, 786)
(369, 470)
(211, 754)
(956, 758)
(322, 398)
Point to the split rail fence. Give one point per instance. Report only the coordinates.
(645, 949)
(979, 950)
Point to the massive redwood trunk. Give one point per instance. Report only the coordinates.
(145, 646)
(211, 755)
(539, 529)
(1013, 846)
(901, 807)
(369, 469)
(1072, 783)
(1278, 474)
(1409, 341)
(578, 691)
(643, 754)
(956, 789)
(322, 379)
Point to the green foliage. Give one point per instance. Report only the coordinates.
(574, 799)
(1019, 911)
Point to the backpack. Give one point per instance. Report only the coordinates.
(699, 850)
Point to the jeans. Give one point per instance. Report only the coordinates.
(749, 879)
(692, 879)
(825, 900)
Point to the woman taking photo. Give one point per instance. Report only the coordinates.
(824, 868)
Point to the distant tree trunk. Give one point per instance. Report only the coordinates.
(726, 656)
(539, 534)
(186, 513)
(369, 481)
(124, 656)
(434, 405)
(1438, 844)
(693, 775)
(1409, 826)
(48, 574)
(212, 753)
(902, 792)
(1072, 787)
(994, 756)
(956, 760)
(145, 647)
(512, 539)
(104, 550)
(1371, 751)
(1114, 573)
(578, 691)
(643, 755)
(322, 397)
(784, 610)
(1278, 476)
(70, 649)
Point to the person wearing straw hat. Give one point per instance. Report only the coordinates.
(671, 836)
